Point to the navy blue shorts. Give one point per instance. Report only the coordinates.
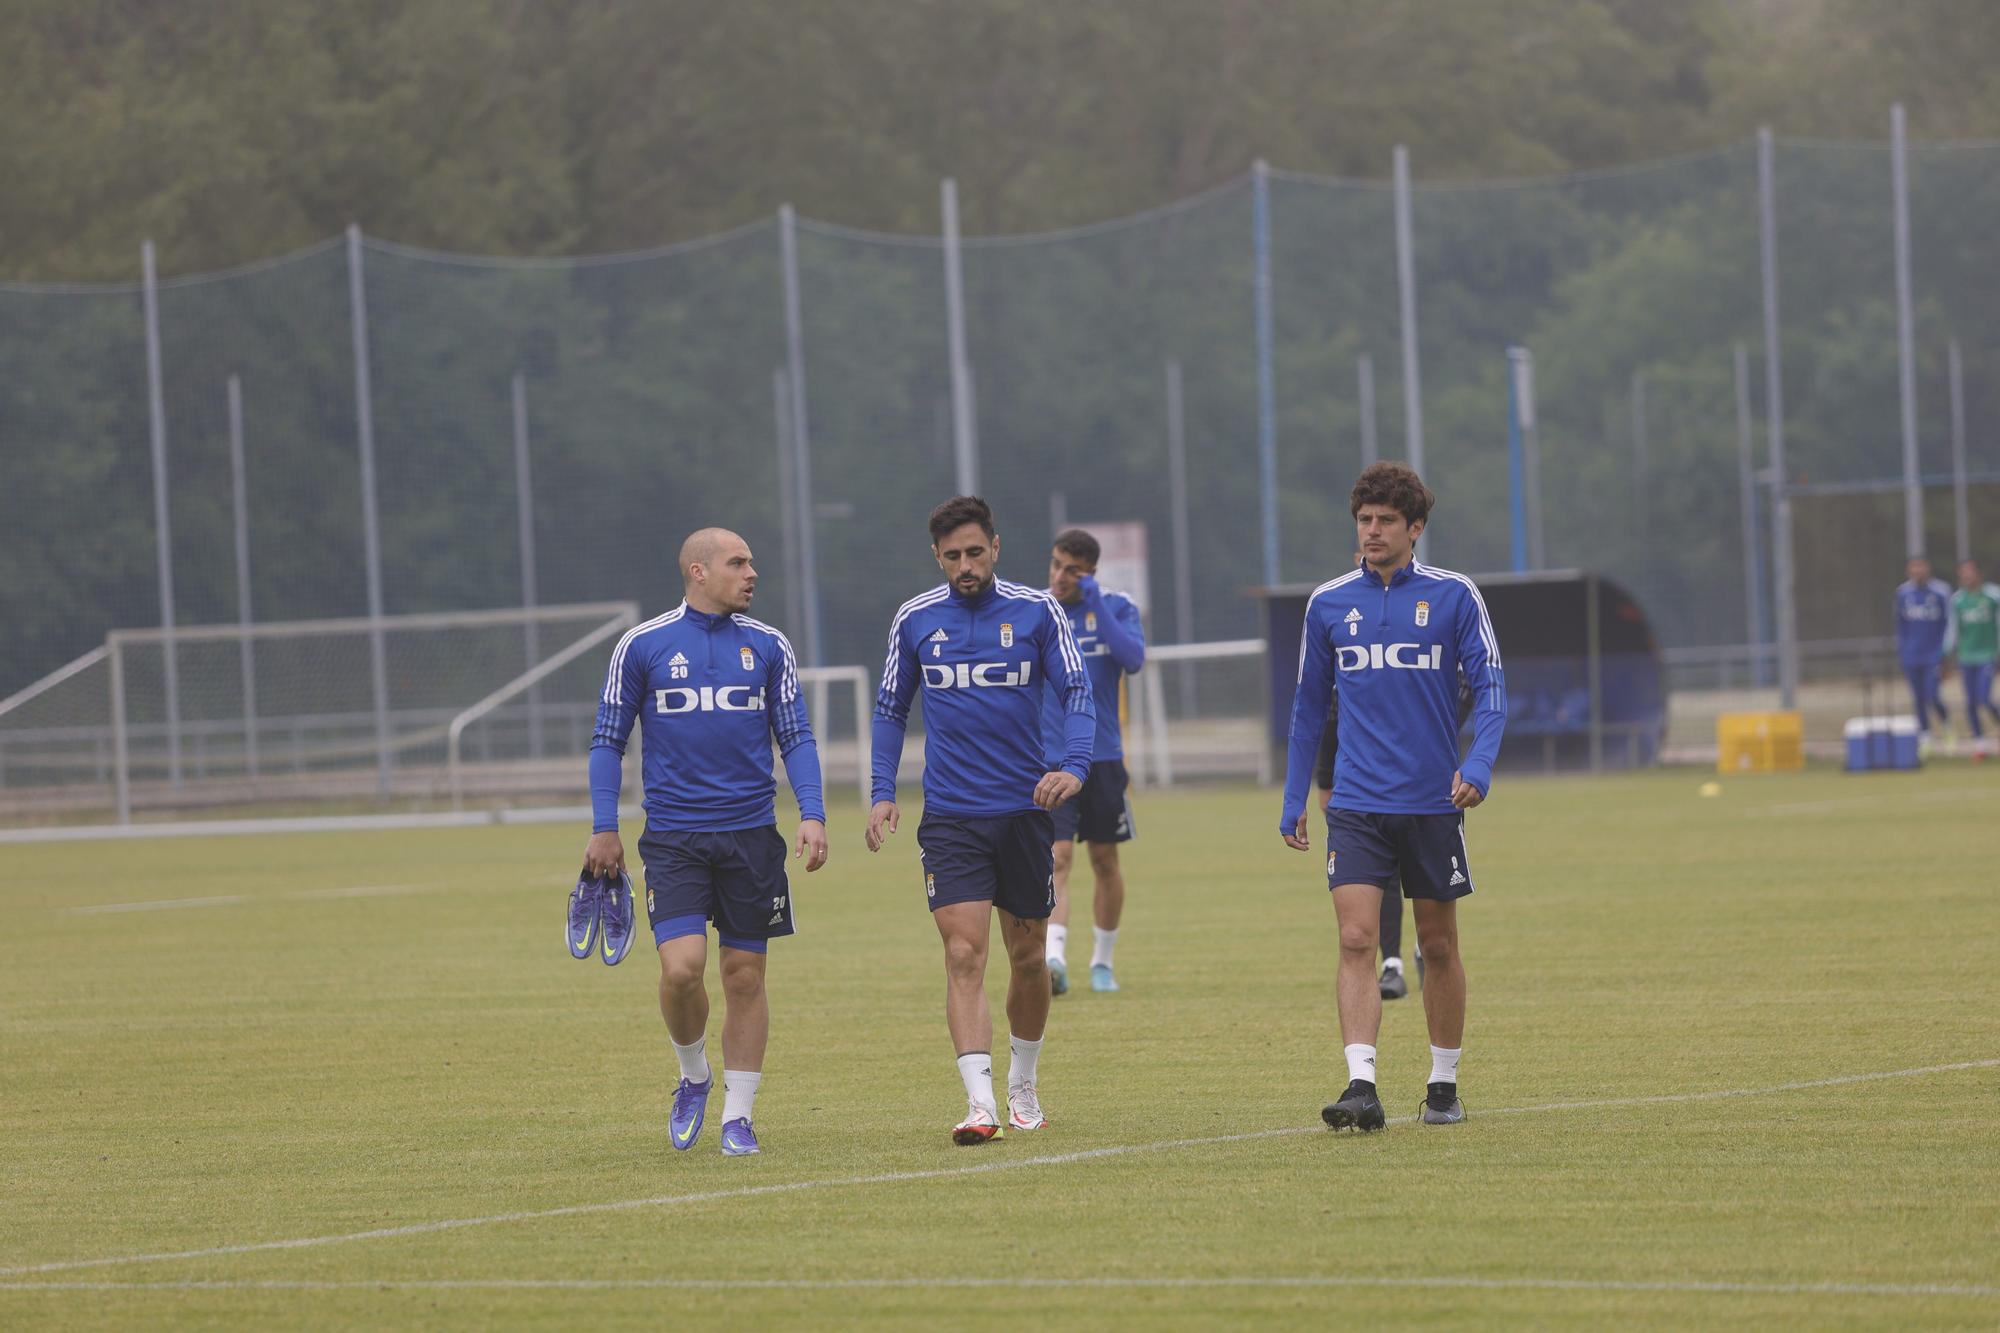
(735, 879)
(1426, 853)
(1101, 812)
(1009, 862)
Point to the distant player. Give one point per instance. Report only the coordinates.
(1974, 609)
(1397, 634)
(1111, 638)
(715, 689)
(980, 649)
(1923, 638)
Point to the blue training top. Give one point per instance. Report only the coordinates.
(1923, 622)
(1109, 634)
(981, 662)
(715, 691)
(1398, 652)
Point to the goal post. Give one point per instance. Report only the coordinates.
(315, 727)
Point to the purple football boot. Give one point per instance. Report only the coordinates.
(738, 1139)
(690, 1104)
(615, 920)
(580, 930)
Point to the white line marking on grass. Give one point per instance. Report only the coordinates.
(1900, 798)
(368, 891)
(936, 1173)
(161, 905)
(1897, 1289)
(233, 899)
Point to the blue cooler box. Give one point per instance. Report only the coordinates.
(1882, 743)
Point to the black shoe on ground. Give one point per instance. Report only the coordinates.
(1441, 1105)
(1392, 985)
(1358, 1108)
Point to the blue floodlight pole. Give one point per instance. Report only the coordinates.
(1406, 293)
(1517, 482)
(1267, 425)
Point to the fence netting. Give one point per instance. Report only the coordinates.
(640, 396)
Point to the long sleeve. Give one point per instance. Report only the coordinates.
(1479, 660)
(617, 711)
(900, 671)
(1329, 748)
(606, 776)
(1062, 666)
(1312, 699)
(792, 730)
(1119, 625)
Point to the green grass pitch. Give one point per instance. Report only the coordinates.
(374, 1032)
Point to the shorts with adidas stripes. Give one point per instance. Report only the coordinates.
(1426, 852)
(735, 879)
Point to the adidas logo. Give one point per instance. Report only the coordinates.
(777, 919)
(940, 637)
(1457, 877)
(678, 659)
(1353, 615)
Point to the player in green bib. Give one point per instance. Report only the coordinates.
(1975, 613)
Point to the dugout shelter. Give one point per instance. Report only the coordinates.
(1586, 689)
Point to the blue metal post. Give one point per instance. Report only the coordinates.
(1267, 425)
(1517, 481)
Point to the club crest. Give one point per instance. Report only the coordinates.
(749, 658)
(1090, 622)
(1423, 613)
(1006, 635)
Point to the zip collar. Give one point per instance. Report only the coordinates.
(976, 602)
(702, 618)
(1403, 575)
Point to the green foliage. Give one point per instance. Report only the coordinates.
(236, 130)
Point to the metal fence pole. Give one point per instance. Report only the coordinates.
(795, 374)
(964, 421)
(1753, 556)
(1364, 374)
(1906, 362)
(371, 536)
(1639, 467)
(1531, 459)
(1267, 409)
(1177, 501)
(1406, 289)
(240, 516)
(1961, 511)
(1517, 479)
(788, 513)
(524, 506)
(121, 744)
(1784, 607)
(156, 408)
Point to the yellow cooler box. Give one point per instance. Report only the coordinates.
(1759, 742)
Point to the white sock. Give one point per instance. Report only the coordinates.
(1361, 1062)
(1392, 964)
(1444, 1064)
(1021, 1069)
(1058, 941)
(1100, 951)
(694, 1059)
(976, 1068)
(739, 1093)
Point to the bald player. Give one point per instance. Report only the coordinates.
(715, 688)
